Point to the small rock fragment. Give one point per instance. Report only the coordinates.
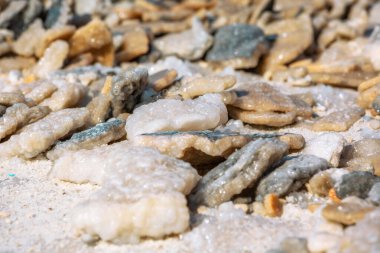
(51, 35)
(19, 115)
(272, 205)
(27, 43)
(197, 147)
(16, 63)
(190, 45)
(11, 98)
(338, 121)
(130, 210)
(39, 136)
(241, 170)
(12, 9)
(135, 44)
(100, 134)
(191, 87)
(374, 193)
(41, 92)
(126, 88)
(295, 141)
(356, 183)
(205, 112)
(346, 213)
(67, 95)
(162, 79)
(52, 59)
(328, 146)
(93, 36)
(290, 176)
(239, 46)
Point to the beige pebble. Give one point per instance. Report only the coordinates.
(162, 79)
(338, 121)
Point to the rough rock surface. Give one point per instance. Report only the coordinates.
(290, 176)
(241, 170)
(356, 183)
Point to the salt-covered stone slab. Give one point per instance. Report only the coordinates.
(328, 146)
(39, 136)
(290, 176)
(19, 115)
(241, 170)
(41, 92)
(102, 133)
(339, 120)
(142, 195)
(67, 95)
(205, 112)
(191, 87)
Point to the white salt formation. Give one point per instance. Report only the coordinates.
(142, 195)
(39, 136)
(85, 165)
(67, 95)
(205, 112)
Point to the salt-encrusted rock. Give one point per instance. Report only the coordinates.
(39, 136)
(51, 35)
(191, 44)
(197, 147)
(135, 44)
(27, 43)
(322, 182)
(339, 120)
(11, 98)
(350, 211)
(262, 118)
(93, 36)
(191, 87)
(328, 146)
(362, 155)
(44, 90)
(67, 95)
(19, 115)
(130, 210)
(356, 183)
(126, 88)
(239, 46)
(374, 193)
(290, 176)
(205, 112)
(100, 134)
(241, 170)
(52, 59)
(162, 79)
(84, 165)
(293, 37)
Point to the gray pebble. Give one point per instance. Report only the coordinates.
(356, 183)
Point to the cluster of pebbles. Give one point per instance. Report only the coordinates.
(175, 107)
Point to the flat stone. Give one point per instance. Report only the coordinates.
(339, 121)
(239, 46)
(290, 176)
(11, 98)
(135, 44)
(102, 133)
(356, 183)
(328, 146)
(346, 213)
(205, 112)
(19, 115)
(67, 95)
(362, 155)
(162, 79)
(191, 44)
(39, 136)
(374, 194)
(190, 87)
(93, 36)
(126, 88)
(241, 170)
(53, 58)
(294, 36)
(198, 147)
(27, 43)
